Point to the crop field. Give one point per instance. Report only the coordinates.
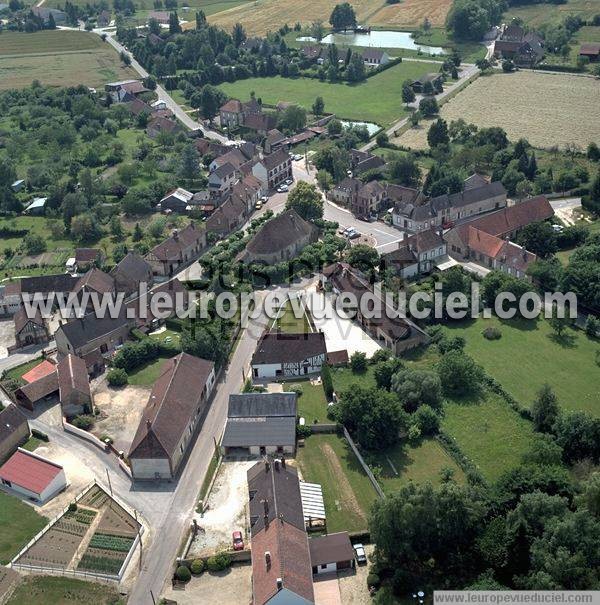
(375, 100)
(535, 15)
(411, 13)
(262, 16)
(536, 106)
(58, 58)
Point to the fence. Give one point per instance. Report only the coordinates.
(364, 464)
(69, 428)
(323, 428)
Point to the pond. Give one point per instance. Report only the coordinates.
(377, 39)
(371, 127)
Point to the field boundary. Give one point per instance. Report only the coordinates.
(364, 465)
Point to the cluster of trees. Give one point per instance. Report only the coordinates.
(469, 20)
(134, 354)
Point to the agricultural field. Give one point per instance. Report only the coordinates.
(535, 15)
(262, 16)
(375, 100)
(58, 58)
(411, 13)
(528, 355)
(490, 433)
(347, 491)
(537, 106)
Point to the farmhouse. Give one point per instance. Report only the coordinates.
(86, 258)
(435, 79)
(130, 272)
(280, 239)
(234, 113)
(29, 330)
(173, 253)
(161, 16)
(523, 48)
(95, 281)
(176, 408)
(74, 386)
(33, 477)
(281, 568)
(162, 125)
(14, 431)
(591, 51)
(125, 91)
(416, 254)
(374, 57)
(260, 423)
(331, 553)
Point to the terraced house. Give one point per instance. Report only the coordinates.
(178, 250)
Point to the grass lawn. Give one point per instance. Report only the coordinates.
(32, 444)
(63, 591)
(147, 375)
(344, 379)
(175, 337)
(58, 58)
(488, 432)
(19, 523)
(378, 99)
(312, 404)
(347, 491)
(528, 355)
(419, 464)
(18, 371)
(288, 322)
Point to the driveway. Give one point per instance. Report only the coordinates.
(353, 584)
(327, 590)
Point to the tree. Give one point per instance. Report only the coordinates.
(189, 163)
(117, 377)
(459, 373)
(417, 387)
(438, 134)
(578, 434)
(238, 34)
(317, 30)
(343, 17)
(595, 188)
(306, 200)
(358, 362)
(427, 420)
(325, 180)
(138, 234)
(483, 65)
(404, 170)
(539, 238)
(593, 152)
(293, 118)
(318, 106)
(363, 257)
(408, 94)
(85, 228)
(355, 72)
(545, 410)
(428, 106)
(174, 27)
(210, 100)
(34, 243)
(384, 371)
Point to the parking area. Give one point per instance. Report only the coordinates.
(353, 583)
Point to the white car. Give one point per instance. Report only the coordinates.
(361, 555)
(264, 199)
(289, 181)
(297, 157)
(283, 189)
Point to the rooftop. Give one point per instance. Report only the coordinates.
(29, 471)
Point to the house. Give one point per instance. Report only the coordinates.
(74, 386)
(361, 161)
(591, 51)
(435, 79)
(14, 431)
(249, 189)
(274, 168)
(125, 90)
(260, 424)
(161, 125)
(280, 239)
(85, 258)
(312, 53)
(261, 123)
(32, 476)
(331, 553)
(222, 179)
(178, 250)
(234, 156)
(416, 254)
(283, 355)
(130, 272)
(281, 567)
(373, 57)
(29, 330)
(37, 207)
(176, 408)
(523, 48)
(492, 252)
(273, 140)
(396, 333)
(83, 335)
(161, 16)
(42, 389)
(94, 283)
(177, 200)
(228, 217)
(234, 113)
(368, 200)
(345, 191)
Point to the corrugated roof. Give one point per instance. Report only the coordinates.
(313, 505)
(248, 405)
(260, 431)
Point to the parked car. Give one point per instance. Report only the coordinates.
(258, 205)
(361, 556)
(238, 541)
(353, 234)
(283, 189)
(264, 198)
(289, 181)
(297, 157)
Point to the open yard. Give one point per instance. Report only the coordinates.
(63, 591)
(420, 464)
(537, 106)
(488, 432)
(19, 523)
(528, 355)
(375, 100)
(147, 374)
(59, 58)
(312, 404)
(347, 491)
(345, 378)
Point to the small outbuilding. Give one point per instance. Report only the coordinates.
(331, 553)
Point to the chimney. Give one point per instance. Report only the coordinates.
(279, 583)
(267, 560)
(266, 507)
(148, 425)
(175, 234)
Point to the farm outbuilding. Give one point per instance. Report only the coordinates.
(331, 553)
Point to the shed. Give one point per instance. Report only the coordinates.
(36, 207)
(313, 505)
(331, 553)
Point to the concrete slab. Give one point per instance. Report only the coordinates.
(327, 590)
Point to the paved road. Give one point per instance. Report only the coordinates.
(566, 203)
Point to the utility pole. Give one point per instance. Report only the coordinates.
(139, 536)
(109, 483)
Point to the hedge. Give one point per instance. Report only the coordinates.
(39, 435)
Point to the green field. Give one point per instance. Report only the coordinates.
(528, 355)
(58, 58)
(347, 491)
(147, 375)
(535, 15)
(19, 523)
(420, 464)
(489, 433)
(312, 404)
(48, 590)
(378, 99)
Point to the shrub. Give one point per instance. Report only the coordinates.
(327, 382)
(197, 566)
(117, 377)
(373, 580)
(183, 574)
(427, 420)
(218, 562)
(303, 431)
(296, 388)
(491, 333)
(72, 507)
(358, 362)
(83, 422)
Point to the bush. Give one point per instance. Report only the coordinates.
(296, 388)
(39, 435)
(72, 507)
(358, 362)
(373, 580)
(303, 431)
(117, 377)
(491, 333)
(197, 566)
(427, 420)
(327, 382)
(218, 562)
(183, 574)
(84, 422)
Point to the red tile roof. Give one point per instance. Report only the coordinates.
(29, 471)
(42, 369)
(484, 243)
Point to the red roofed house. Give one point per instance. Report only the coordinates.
(32, 476)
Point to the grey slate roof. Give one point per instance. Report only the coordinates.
(11, 420)
(250, 405)
(82, 330)
(246, 432)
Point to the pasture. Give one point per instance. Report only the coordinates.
(375, 100)
(58, 58)
(537, 106)
(529, 355)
